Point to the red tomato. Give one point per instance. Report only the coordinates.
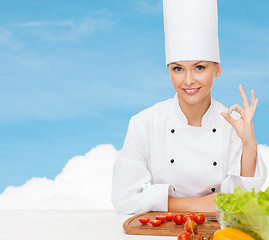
(191, 214)
(190, 226)
(199, 218)
(169, 216)
(198, 236)
(161, 217)
(144, 220)
(184, 236)
(155, 222)
(178, 218)
(186, 218)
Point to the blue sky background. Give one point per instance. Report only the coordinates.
(74, 72)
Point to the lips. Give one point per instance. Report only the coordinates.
(191, 91)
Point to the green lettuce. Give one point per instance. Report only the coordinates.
(243, 209)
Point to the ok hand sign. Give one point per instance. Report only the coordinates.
(243, 126)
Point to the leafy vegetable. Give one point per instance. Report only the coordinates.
(242, 210)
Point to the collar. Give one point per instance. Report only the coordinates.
(206, 119)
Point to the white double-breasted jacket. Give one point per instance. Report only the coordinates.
(164, 156)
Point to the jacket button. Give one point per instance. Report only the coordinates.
(215, 163)
(213, 189)
(172, 130)
(172, 160)
(214, 129)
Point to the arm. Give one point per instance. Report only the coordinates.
(239, 160)
(248, 159)
(249, 171)
(244, 129)
(132, 188)
(194, 204)
(246, 167)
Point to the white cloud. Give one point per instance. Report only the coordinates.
(84, 183)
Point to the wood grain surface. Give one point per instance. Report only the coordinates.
(168, 228)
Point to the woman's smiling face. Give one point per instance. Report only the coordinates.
(193, 80)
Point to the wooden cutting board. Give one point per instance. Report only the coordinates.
(168, 228)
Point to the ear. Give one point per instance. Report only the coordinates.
(218, 70)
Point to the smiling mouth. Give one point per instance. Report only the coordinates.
(191, 91)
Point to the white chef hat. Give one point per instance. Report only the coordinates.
(191, 30)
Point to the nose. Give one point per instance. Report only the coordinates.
(189, 79)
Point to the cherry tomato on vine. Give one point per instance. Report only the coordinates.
(198, 236)
(190, 226)
(184, 236)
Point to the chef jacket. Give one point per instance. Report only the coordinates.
(164, 156)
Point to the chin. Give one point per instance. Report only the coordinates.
(191, 100)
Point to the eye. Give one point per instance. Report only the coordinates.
(200, 67)
(177, 69)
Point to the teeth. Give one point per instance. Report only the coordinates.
(194, 90)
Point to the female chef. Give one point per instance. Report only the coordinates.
(180, 152)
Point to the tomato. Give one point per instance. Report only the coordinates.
(190, 226)
(198, 236)
(191, 214)
(186, 218)
(155, 222)
(199, 218)
(144, 220)
(161, 217)
(184, 236)
(178, 218)
(169, 216)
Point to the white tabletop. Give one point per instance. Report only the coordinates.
(65, 225)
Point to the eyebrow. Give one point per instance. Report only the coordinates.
(181, 65)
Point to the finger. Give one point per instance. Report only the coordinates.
(252, 97)
(254, 106)
(253, 109)
(243, 96)
(236, 107)
(228, 118)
